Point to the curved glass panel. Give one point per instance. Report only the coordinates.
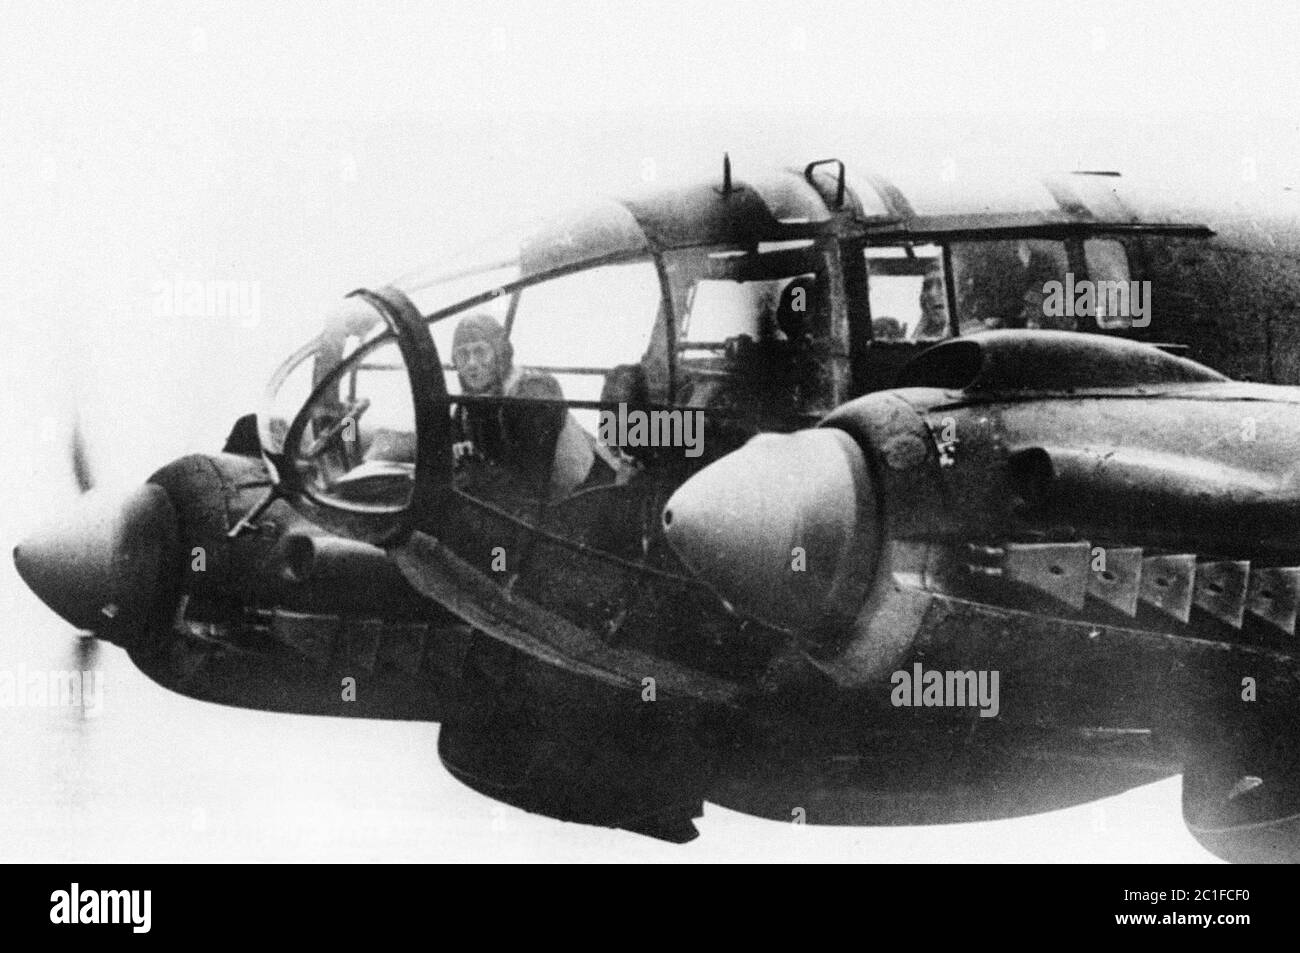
(601, 230)
(347, 325)
(289, 389)
(357, 448)
(479, 269)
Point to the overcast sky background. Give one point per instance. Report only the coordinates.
(312, 148)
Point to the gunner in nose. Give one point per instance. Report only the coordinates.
(541, 441)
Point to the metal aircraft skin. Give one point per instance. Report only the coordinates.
(951, 540)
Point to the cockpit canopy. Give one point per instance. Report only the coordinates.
(617, 303)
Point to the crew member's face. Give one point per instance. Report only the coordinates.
(476, 363)
(933, 301)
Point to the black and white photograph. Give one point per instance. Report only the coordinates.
(670, 433)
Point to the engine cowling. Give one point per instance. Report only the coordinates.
(1064, 474)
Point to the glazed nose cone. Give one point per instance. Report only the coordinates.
(784, 529)
(101, 565)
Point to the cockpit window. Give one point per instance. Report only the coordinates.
(1005, 284)
(582, 326)
(753, 328)
(288, 390)
(357, 445)
(602, 230)
(529, 369)
(908, 294)
(717, 309)
(487, 265)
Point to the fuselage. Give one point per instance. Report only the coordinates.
(743, 607)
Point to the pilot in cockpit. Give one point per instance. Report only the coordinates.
(541, 442)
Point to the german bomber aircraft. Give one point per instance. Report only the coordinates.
(826, 497)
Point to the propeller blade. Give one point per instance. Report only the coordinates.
(80, 457)
(85, 651)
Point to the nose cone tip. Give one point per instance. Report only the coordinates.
(783, 528)
(101, 564)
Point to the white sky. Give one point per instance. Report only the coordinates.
(311, 148)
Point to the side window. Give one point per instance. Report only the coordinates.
(753, 330)
(588, 329)
(719, 310)
(1108, 269)
(520, 360)
(1004, 284)
(907, 293)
